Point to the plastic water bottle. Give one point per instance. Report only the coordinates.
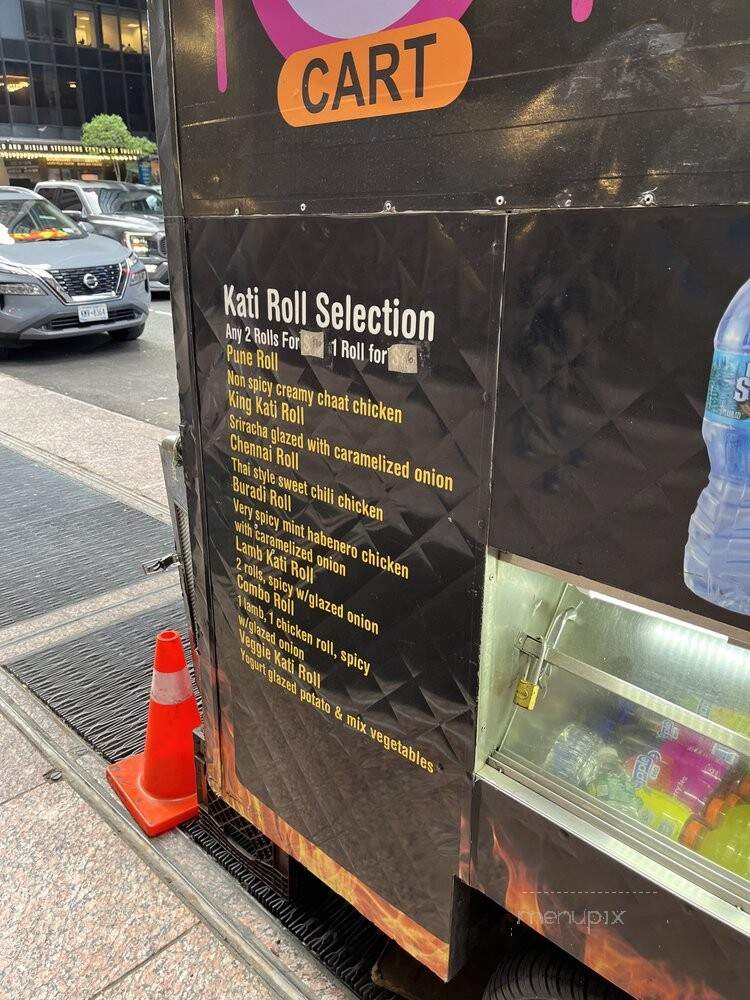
(717, 554)
(574, 755)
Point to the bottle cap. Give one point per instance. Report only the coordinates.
(691, 831)
(713, 811)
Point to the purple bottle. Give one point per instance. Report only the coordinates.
(692, 777)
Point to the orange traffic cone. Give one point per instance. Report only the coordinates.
(158, 785)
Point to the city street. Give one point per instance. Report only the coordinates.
(134, 379)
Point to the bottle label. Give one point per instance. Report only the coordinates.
(644, 768)
(668, 730)
(728, 398)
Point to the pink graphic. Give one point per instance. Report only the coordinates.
(581, 10)
(290, 33)
(222, 81)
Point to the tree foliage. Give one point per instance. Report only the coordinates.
(111, 130)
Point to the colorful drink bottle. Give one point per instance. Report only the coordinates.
(691, 777)
(728, 844)
(663, 812)
(729, 717)
(666, 731)
(719, 808)
(717, 554)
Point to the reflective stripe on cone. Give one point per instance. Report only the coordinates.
(171, 689)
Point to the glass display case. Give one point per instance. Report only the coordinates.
(635, 721)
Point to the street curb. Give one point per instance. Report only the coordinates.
(92, 788)
(107, 486)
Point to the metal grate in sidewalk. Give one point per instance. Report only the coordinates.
(99, 683)
(62, 541)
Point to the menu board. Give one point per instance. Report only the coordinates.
(348, 384)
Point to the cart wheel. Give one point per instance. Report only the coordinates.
(129, 333)
(546, 974)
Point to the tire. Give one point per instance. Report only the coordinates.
(545, 974)
(128, 333)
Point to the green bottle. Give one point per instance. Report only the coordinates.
(728, 844)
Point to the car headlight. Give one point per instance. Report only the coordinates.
(136, 241)
(14, 283)
(136, 270)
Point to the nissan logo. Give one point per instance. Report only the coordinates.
(90, 280)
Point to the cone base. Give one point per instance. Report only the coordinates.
(153, 816)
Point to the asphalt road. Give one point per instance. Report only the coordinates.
(137, 378)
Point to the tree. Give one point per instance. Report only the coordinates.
(109, 131)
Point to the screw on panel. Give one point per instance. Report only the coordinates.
(303, 207)
(236, 211)
(388, 206)
(648, 198)
(500, 201)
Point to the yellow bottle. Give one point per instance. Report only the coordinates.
(663, 812)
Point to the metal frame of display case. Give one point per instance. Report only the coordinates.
(639, 696)
(566, 800)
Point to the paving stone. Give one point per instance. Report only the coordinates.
(197, 967)
(21, 766)
(78, 908)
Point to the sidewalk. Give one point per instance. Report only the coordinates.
(81, 915)
(115, 453)
(90, 907)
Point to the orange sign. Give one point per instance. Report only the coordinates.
(415, 68)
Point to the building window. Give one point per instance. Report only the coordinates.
(62, 23)
(83, 18)
(93, 102)
(35, 16)
(45, 95)
(110, 32)
(69, 100)
(130, 32)
(136, 103)
(115, 94)
(18, 87)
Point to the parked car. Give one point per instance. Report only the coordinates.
(133, 214)
(56, 280)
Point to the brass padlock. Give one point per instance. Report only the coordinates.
(526, 695)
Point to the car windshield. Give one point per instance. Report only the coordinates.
(28, 220)
(114, 202)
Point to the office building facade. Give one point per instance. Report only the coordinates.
(61, 63)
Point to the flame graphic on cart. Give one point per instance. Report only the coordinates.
(599, 947)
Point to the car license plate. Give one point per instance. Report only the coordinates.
(92, 314)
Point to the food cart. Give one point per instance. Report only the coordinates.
(446, 279)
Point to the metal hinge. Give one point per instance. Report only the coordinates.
(160, 565)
